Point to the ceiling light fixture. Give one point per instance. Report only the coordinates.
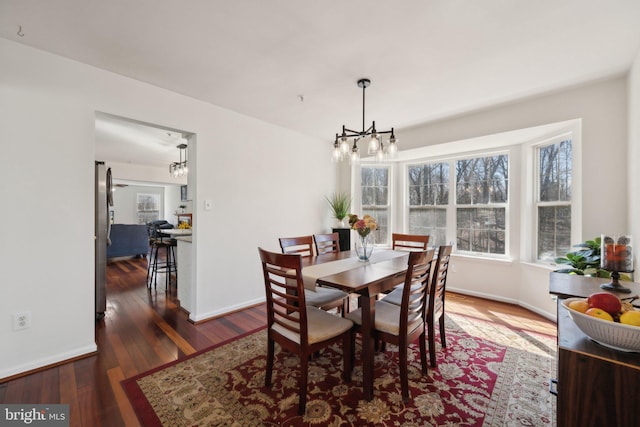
(177, 169)
(347, 141)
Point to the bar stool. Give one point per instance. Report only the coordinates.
(166, 266)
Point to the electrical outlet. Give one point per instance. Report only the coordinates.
(21, 320)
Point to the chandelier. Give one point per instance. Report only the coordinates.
(346, 143)
(177, 169)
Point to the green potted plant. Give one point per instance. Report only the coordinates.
(340, 204)
(585, 261)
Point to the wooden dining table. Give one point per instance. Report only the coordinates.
(386, 269)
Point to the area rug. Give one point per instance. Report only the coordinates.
(488, 375)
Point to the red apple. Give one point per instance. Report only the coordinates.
(605, 301)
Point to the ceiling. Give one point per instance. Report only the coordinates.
(296, 63)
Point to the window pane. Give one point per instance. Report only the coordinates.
(382, 219)
(148, 207)
(481, 230)
(430, 221)
(375, 199)
(554, 231)
(482, 180)
(555, 172)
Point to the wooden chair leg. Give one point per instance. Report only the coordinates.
(270, 352)
(302, 389)
(404, 375)
(347, 354)
(432, 343)
(443, 340)
(423, 353)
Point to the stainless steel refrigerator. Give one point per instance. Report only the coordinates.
(102, 229)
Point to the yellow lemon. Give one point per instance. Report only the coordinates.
(579, 305)
(630, 318)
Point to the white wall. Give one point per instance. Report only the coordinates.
(48, 105)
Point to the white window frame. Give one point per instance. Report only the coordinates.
(449, 208)
(505, 205)
(534, 191)
(356, 191)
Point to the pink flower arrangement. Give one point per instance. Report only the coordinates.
(363, 226)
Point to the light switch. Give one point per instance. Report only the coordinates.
(207, 205)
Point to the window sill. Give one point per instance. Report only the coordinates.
(480, 258)
(550, 267)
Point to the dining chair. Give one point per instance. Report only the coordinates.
(405, 242)
(409, 242)
(302, 245)
(324, 298)
(296, 326)
(401, 325)
(435, 309)
(326, 243)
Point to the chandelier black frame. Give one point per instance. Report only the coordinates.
(342, 144)
(177, 169)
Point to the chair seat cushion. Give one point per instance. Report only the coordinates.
(323, 296)
(321, 326)
(395, 296)
(387, 318)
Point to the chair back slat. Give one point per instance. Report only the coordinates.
(439, 280)
(284, 289)
(409, 242)
(326, 243)
(302, 245)
(415, 289)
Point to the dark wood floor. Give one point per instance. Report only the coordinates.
(143, 330)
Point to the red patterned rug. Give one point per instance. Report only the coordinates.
(488, 375)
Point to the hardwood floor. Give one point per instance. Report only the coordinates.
(144, 329)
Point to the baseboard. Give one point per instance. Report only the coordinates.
(46, 363)
(546, 315)
(227, 310)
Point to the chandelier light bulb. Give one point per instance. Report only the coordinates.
(374, 144)
(355, 156)
(344, 146)
(337, 154)
(392, 149)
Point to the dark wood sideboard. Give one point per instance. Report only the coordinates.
(344, 234)
(597, 386)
